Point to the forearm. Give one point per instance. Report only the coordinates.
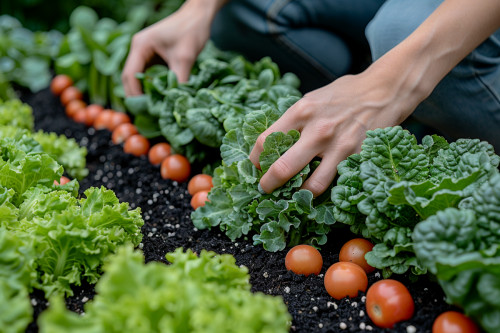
(208, 7)
(418, 63)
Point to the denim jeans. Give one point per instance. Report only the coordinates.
(320, 40)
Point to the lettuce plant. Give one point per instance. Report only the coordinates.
(394, 183)
(222, 89)
(287, 216)
(209, 293)
(461, 246)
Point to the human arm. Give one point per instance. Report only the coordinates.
(333, 120)
(177, 40)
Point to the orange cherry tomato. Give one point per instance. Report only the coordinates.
(159, 152)
(59, 83)
(344, 279)
(122, 132)
(175, 167)
(304, 259)
(136, 145)
(454, 322)
(73, 106)
(80, 116)
(388, 302)
(354, 251)
(118, 118)
(103, 118)
(200, 182)
(69, 94)
(93, 110)
(199, 199)
(62, 181)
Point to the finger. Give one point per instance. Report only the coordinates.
(181, 68)
(288, 165)
(134, 64)
(324, 174)
(284, 124)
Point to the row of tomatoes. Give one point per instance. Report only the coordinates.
(388, 301)
(175, 167)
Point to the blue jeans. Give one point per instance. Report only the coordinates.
(320, 40)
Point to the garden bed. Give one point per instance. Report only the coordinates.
(166, 211)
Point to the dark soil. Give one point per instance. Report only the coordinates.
(166, 211)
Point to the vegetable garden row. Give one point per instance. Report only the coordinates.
(161, 225)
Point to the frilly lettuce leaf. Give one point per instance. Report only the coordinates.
(209, 293)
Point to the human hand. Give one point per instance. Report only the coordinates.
(333, 121)
(176, 40)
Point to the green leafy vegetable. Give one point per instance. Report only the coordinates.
(209, 293)
(287, 216)
(462, 248)
(394, 183)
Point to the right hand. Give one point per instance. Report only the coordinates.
(177, 40)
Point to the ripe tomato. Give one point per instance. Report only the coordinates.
(59, 83)
(304, 259)
(175, 167)
(93, 110)
(344, 279)
(199, 199)
(159, 152)
(80, 116)
(136, 145)
(69, 94)
(200, 182)
(62, 181)
(73, 106)
(117, 118)
(388, 302)
(454, 322)
(122, 132)
(354, 251)
(103, 118)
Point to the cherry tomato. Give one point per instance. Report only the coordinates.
(454, 322)
(304, 259)
(199, 199)
(159, 152)
(59, 83)
(93, 110)
(344, 279)
(136, 145)
(103, 118)
(117, 118)
(80, 116)
(69, 94)
(62, 181)
(122, 132)
(388, 302)
(354, 251)
(73, 106)
(200, 182)
(175, 167)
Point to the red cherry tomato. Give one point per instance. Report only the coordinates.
(62, 181)
(354, 251)
(388, 302)
(344, 279)
(159, 152)
(454, 322)
(175, 167)
(117, 118)
(122, 132)
(69, 94)
(93, 110)
(199, 199)
(200, 182)
(73, 106)
(136, 145)
(59, 83)
(102, 120)
(304, 259)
